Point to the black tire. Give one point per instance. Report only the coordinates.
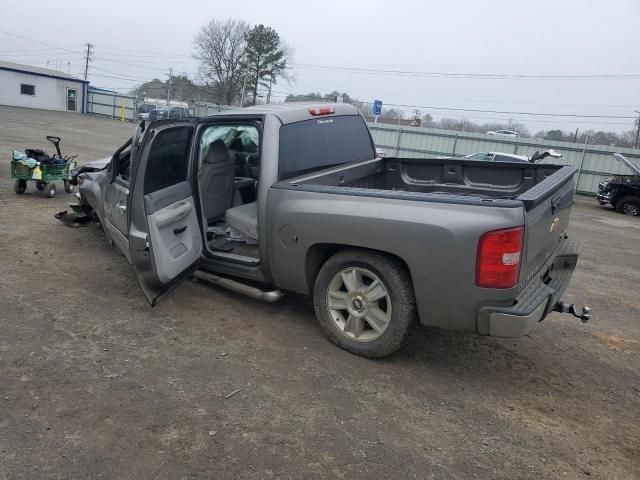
(20, 186)
(40, 185)
(397, 282)
(50, 190)
(629, 206)
(67, 186)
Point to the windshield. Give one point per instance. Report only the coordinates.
(237, 137)
(321, 143)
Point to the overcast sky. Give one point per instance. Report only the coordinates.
(559, 37)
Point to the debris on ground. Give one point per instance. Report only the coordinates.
(75, 220)
(232, 393)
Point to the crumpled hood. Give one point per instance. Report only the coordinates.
(91, 166)
(630, 165)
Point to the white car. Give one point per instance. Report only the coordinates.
(497, 157)
(512, 157)
(504, 133)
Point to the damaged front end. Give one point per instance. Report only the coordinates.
(88, 207)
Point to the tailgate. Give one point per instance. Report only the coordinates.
(547, 210)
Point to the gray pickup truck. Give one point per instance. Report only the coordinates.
(293, 198)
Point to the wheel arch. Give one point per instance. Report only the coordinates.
(319, 253)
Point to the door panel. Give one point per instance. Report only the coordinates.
(175, 235)
(165, 241)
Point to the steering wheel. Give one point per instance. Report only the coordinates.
(251, 163)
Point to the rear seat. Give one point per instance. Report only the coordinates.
(244, 218)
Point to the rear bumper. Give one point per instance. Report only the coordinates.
(536, 300)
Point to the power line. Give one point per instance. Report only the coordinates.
(160, 54)
(487, 76)
(477, 110)
(38, 41)
(128, 79)
(2, 52)
(334, 68)
(118, 75)
(574, 115)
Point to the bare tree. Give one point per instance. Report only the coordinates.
(220, 46)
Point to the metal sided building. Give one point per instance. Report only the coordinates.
(35, 87)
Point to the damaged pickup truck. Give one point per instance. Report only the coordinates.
(293, 197)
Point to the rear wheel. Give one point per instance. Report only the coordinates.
(50, 190)
(629, 206)
(364, 302)
(40, 185)
(20, 186)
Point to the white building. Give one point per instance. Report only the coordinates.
(35, 87)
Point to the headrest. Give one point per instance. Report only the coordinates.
(217, 153)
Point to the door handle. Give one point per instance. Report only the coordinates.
(121, 207)
(178, 231)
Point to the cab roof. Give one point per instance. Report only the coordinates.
(290, 112)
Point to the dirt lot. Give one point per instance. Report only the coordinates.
(95, 384)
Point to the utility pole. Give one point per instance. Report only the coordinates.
(637, 130)
(87, 59)
(169, 85)
(269, 93)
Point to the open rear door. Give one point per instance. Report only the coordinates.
(164, 233)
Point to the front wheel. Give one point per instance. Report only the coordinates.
(67, 186)
(629, 206)
(40, 185)
(364, 302)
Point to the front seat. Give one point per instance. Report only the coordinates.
(244, 219)
(216, 179)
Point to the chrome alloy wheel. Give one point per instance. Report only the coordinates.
(359, 304)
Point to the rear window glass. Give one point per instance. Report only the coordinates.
(168, 159)
(321, 143)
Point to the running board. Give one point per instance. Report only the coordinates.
(242, 288)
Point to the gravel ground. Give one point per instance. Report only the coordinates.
(210, 384)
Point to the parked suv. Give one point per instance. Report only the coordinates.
(621, 191)
(169, 111)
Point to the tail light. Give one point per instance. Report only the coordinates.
(322, 111)
(498, 260)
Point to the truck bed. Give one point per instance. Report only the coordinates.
(430, 213)
(444, 179)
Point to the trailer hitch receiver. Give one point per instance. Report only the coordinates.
(583, 313)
